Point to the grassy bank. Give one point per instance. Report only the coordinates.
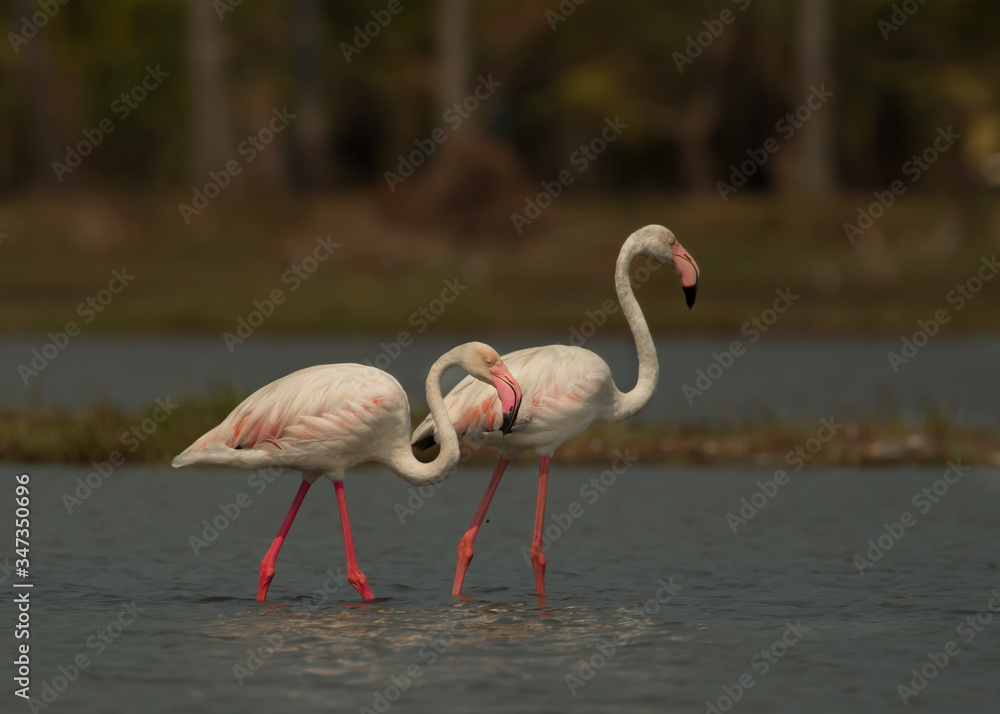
(55, 436)
(60, 250)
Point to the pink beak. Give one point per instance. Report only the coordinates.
(687, 270)
(510, 394)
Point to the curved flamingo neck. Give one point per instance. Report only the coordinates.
(403, 462)
(629, 403)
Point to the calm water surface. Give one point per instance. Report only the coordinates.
(502, 649)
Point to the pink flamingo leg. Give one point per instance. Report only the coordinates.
(537, 553)
(354, 575)
(465, 546)
(267, 565)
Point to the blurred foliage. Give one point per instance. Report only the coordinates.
(942, 67)
(52, 435)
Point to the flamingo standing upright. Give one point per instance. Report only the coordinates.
(323, 420)
(566, 389)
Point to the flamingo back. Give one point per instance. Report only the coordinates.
(325, 418)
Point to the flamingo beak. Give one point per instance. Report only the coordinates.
(510, 395)
(687, 270)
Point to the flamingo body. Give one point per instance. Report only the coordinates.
(323, 420)
(565, 389)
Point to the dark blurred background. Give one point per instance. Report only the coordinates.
(326, 109)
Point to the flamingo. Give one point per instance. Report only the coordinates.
(323, 420)
(566, 389)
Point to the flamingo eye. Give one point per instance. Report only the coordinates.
(489, 360)
(671, 240)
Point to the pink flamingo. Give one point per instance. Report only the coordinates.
(566, 389)
(323, 420)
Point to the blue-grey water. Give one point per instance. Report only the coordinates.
(779, 376)
(654, 603)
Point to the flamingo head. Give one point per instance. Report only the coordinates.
(662, 245)
(484, 363)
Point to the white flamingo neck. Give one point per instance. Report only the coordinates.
(629, 403)
(404, 463)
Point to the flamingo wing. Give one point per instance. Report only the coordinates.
(560, 384)
(314, 418)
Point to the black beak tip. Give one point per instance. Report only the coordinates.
(690, 293)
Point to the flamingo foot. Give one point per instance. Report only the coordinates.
(465, 551)
(356, 578)
(538, 564)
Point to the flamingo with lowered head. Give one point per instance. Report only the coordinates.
(323, 420)
(566, 389)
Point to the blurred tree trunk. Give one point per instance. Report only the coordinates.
(453, 21)
(37, 85)
(209, 104)
(309, 150)
(815, 164)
